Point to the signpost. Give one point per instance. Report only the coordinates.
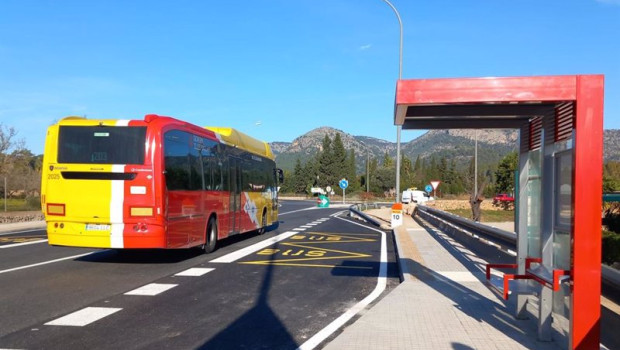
(435, 183)
(428, 189)
(343, 184)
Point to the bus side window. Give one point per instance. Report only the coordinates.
(176, 158)
(224, 175)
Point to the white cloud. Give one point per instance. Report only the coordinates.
(365, 47)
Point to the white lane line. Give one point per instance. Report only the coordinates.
(228, 258)
(295, 211)
(84, 317)
(17, 232)
(195, 272)
(299, 229)
(46, 262)
(21, 244)
(306, 226)
(324, 333)
(151, 289)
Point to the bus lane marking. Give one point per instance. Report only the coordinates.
(234, 256)
(309, 247)
(335, 325)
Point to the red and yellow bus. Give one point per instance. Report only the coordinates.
(154, 183)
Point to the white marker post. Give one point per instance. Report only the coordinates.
(397, 214)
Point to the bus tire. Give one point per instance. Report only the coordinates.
(211, 236)
(263, 223)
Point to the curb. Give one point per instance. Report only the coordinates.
(19, 226)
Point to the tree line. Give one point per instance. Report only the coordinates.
(19, 167)
(333, 162)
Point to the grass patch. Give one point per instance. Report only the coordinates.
(17, 204)
(487, 215)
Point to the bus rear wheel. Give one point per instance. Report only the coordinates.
(263, 223)
(211, 242)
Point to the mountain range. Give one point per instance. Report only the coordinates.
(457, 144)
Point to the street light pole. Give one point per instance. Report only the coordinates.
(476, 168)
(400, 75)
(367, 170)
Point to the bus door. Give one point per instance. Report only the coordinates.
(235, 195)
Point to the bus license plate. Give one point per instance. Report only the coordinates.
(97, 227)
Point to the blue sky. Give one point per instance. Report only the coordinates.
(278, 68)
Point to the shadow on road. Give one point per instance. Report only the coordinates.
(258, 328)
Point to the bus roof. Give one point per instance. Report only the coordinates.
(227, 135)
(248, 143)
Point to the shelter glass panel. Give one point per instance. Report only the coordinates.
(534, 201)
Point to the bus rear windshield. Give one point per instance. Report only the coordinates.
(101, 144)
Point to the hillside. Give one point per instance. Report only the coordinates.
(457, 144)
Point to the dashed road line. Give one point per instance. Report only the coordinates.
(46, 262)
(151, 289)
(195, 271)
(84, 317)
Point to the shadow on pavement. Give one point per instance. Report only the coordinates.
(258, 328)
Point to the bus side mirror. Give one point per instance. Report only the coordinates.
(280, 175)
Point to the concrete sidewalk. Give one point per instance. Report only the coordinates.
(22, 226)
(442, 302)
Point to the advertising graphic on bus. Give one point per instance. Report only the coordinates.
(154, 183)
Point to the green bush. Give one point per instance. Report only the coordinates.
(611, 247)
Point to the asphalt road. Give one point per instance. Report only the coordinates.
(281, 290)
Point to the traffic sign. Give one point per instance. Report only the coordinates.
(343, 183)
(428, 188)
(435, 184)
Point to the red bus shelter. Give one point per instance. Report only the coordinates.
(560, 119)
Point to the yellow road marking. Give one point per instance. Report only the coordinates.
(276, 263)
(21, 239)
(311, 254)
(320, 237)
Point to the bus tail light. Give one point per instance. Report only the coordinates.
(55, 209)
(140, 227)
(140, 211)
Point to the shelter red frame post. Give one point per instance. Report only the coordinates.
(522, 103)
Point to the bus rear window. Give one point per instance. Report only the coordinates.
(101, 144)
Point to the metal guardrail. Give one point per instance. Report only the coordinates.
(359, 208)
(610, 275)
(504, 236)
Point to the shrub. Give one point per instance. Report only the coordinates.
(611, 247)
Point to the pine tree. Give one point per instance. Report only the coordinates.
(406, 173)
(388, 162)
(339, 155)
(351, 173)
(326, 164)
(298, 182)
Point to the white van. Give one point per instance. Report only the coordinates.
(415, 196)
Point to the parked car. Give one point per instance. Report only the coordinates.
(503, 197)
(415, 196)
